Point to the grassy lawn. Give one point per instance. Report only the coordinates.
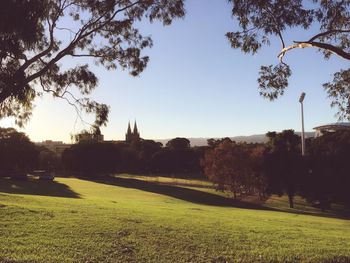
(128, 220)
(169, 180)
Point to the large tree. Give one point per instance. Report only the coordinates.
(262, 21)
(17, 152)
(179, 143)
(328, 179)
(283, 164)
(37, 35)
(234, 166)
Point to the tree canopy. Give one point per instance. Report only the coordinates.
(179, 143)
(17, 152)
(36, 35)
(234, 166)
(283, 164)
(328, 178)
(263, 21)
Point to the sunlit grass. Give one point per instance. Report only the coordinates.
(104, 222)
(169, 180)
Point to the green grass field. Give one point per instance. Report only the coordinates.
(128, 220)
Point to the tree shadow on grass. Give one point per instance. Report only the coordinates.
(204, 198)
(36, 187)
(301, 207)
(182, 193)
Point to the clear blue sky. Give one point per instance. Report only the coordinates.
(197, 86)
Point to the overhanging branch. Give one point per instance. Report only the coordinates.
(324, 46)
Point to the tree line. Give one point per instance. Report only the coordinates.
(17, 152)
(91, 158)
(145, 156)
(277, 167)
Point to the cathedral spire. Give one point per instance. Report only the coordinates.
(129, 128)
(135, 128)
(132, 136)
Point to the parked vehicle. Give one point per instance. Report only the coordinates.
(43, 175)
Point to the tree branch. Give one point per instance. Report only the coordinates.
(328, 47)
(47, 50)
(278, 30)
(106, 21)
(62, 96)
(88, 55)
(72, 44)
(329, 32)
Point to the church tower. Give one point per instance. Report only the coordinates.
(136, 132)
(132, 136)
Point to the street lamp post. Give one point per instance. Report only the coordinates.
(301, 99)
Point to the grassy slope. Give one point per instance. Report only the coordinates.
(169, 180)
(82, 221)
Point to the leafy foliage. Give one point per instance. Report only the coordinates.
(145, 156)
(274, 168)
(278, 167)
(283, 164)
(262, 21)
(179, 143)
(328, 178)
(17, 152)
(34, 45)
(234, 166)
(91, 157)
(339, 91)
(273, 80)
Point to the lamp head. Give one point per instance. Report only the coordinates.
(302, 96)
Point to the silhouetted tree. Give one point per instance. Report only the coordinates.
(178, 158)
(17, 152)
(171, 161)
(198, 155)
(215, 142)
(144, 156)
(131, 161)
(178, 144)
(90, 158)
(146, 149)
(94, 134)
(36, 35)
(161, 161)
(328, 178)
(283, 164)
(263, 21)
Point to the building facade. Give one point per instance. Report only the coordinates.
(89, 137)
(57, 147)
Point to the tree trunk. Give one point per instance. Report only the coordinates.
(234, 194)
(291, 201)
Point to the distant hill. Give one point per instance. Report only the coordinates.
(256, 138)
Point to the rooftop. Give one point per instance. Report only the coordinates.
(337, 125)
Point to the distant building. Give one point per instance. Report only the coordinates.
(57, 147)
(333, 127)
(132, 136)
(86, 136)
